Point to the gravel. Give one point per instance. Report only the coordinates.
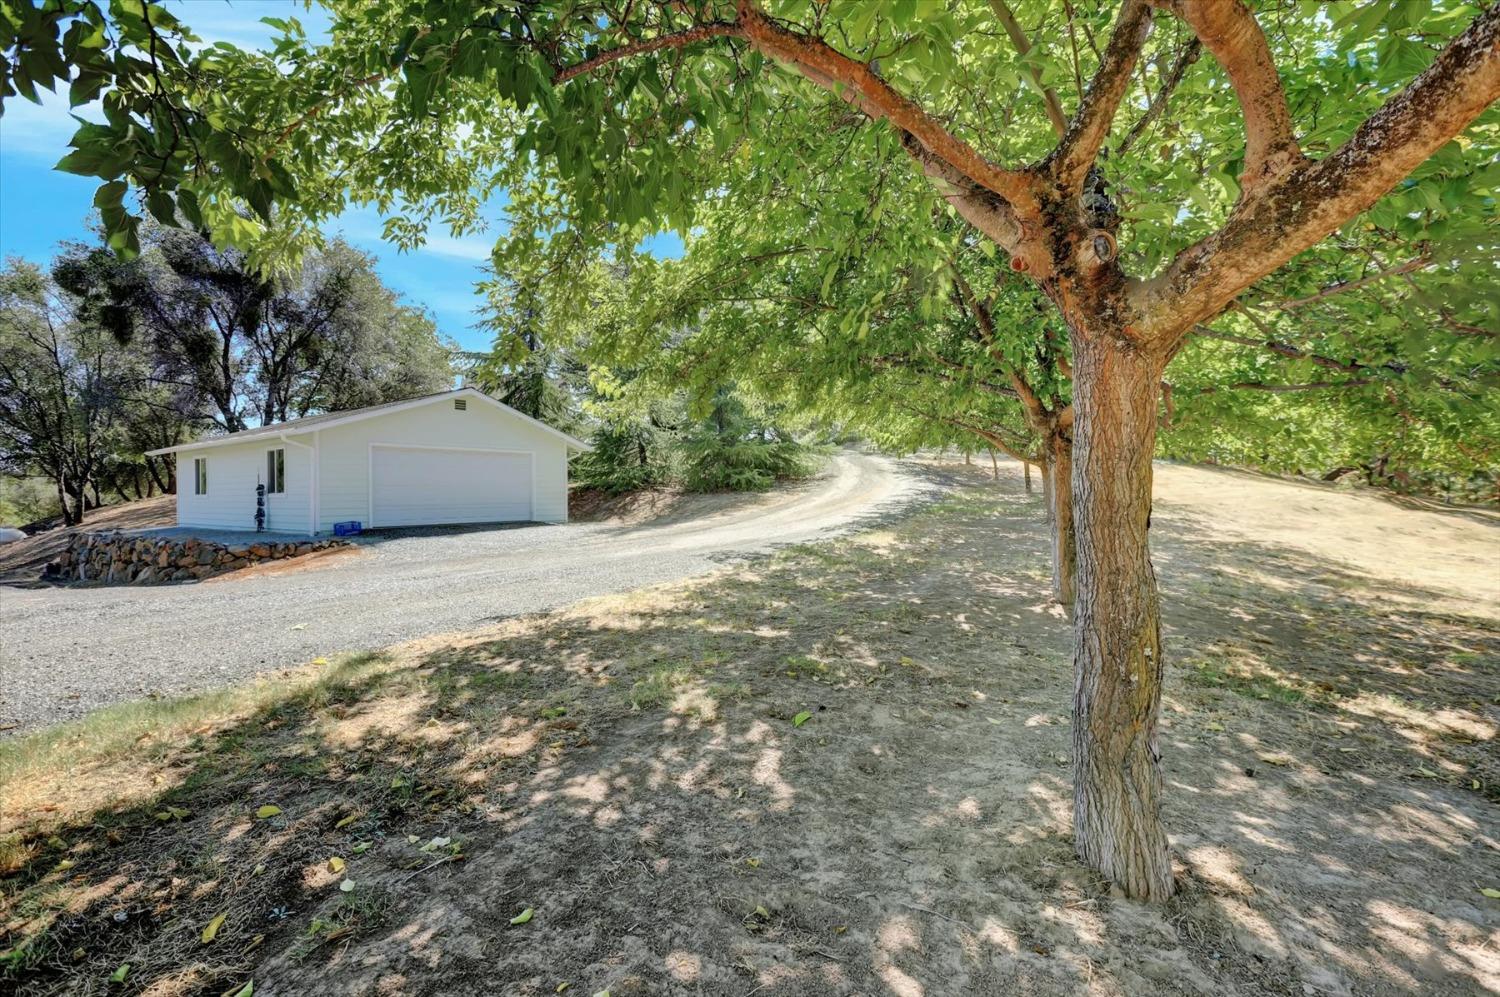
(66, 651)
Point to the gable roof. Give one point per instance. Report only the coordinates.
(328, 419)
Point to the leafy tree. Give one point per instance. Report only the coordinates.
(1218, 172)
(731, 450)
(523, 370)
(67, 390)
(261, 348)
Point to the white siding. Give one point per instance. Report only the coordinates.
(344, 454)
(233, 472)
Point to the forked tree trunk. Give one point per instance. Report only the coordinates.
(1117, 822)
(1060, 516)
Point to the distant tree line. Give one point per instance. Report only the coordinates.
(103, 359)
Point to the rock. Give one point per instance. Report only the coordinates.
(305, 548)
(260, 551)
(205, 556)
(147, 575)
(203, 571)
(164, 557)
(180, 574)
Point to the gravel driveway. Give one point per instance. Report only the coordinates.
(66, 651)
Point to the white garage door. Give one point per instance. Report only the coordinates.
(417, 486)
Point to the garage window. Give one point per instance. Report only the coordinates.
(200, 476)
(275, 471)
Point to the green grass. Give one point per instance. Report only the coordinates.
(1263, 687)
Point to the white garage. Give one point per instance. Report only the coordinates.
(452, 458)
(418, 486)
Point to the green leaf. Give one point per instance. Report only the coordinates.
(801, 718)
(211, 930)
(118, 976)
(269, 810)
(523, 917)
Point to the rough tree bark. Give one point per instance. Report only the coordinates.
(1060, 516)
(1117, 822)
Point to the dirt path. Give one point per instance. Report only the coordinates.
(634, 772)
(66, 651)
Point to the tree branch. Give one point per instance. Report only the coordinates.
(1231, 33)
(1296, 211)
(1007, 19)
(1356, 382)
(1185, 59)
(1416, 263)
(1090, 126)
(676, 39)
(831, 69)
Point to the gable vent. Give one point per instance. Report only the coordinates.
(461, 404)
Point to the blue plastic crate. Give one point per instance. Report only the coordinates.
(347, 529)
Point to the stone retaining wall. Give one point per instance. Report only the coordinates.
(125, 558)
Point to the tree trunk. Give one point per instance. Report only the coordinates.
(1046, 469)
(1028, 476)
(1117, 627)
(62, 501)
(995, 469)
(1060, 515)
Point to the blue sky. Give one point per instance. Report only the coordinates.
(40, 207)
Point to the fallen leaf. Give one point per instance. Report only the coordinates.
(269, 810)
(347, 886)
(300, 626)
(260, 867)
(523, 917)
(753, 863)
(1491, 892)
(118, 976)
(247, 990)
(213, 927)
(335, 865)
(361, 847)
(1213, 725)
(562, 986)
(346, 821)
(801, 718)
(320, 661)
(65, 865)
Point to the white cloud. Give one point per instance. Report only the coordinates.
(365, 227)
(42, 130)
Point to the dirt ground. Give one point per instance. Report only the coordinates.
(839, 770)
(23, 560)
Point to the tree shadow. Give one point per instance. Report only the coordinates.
(841, 769)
